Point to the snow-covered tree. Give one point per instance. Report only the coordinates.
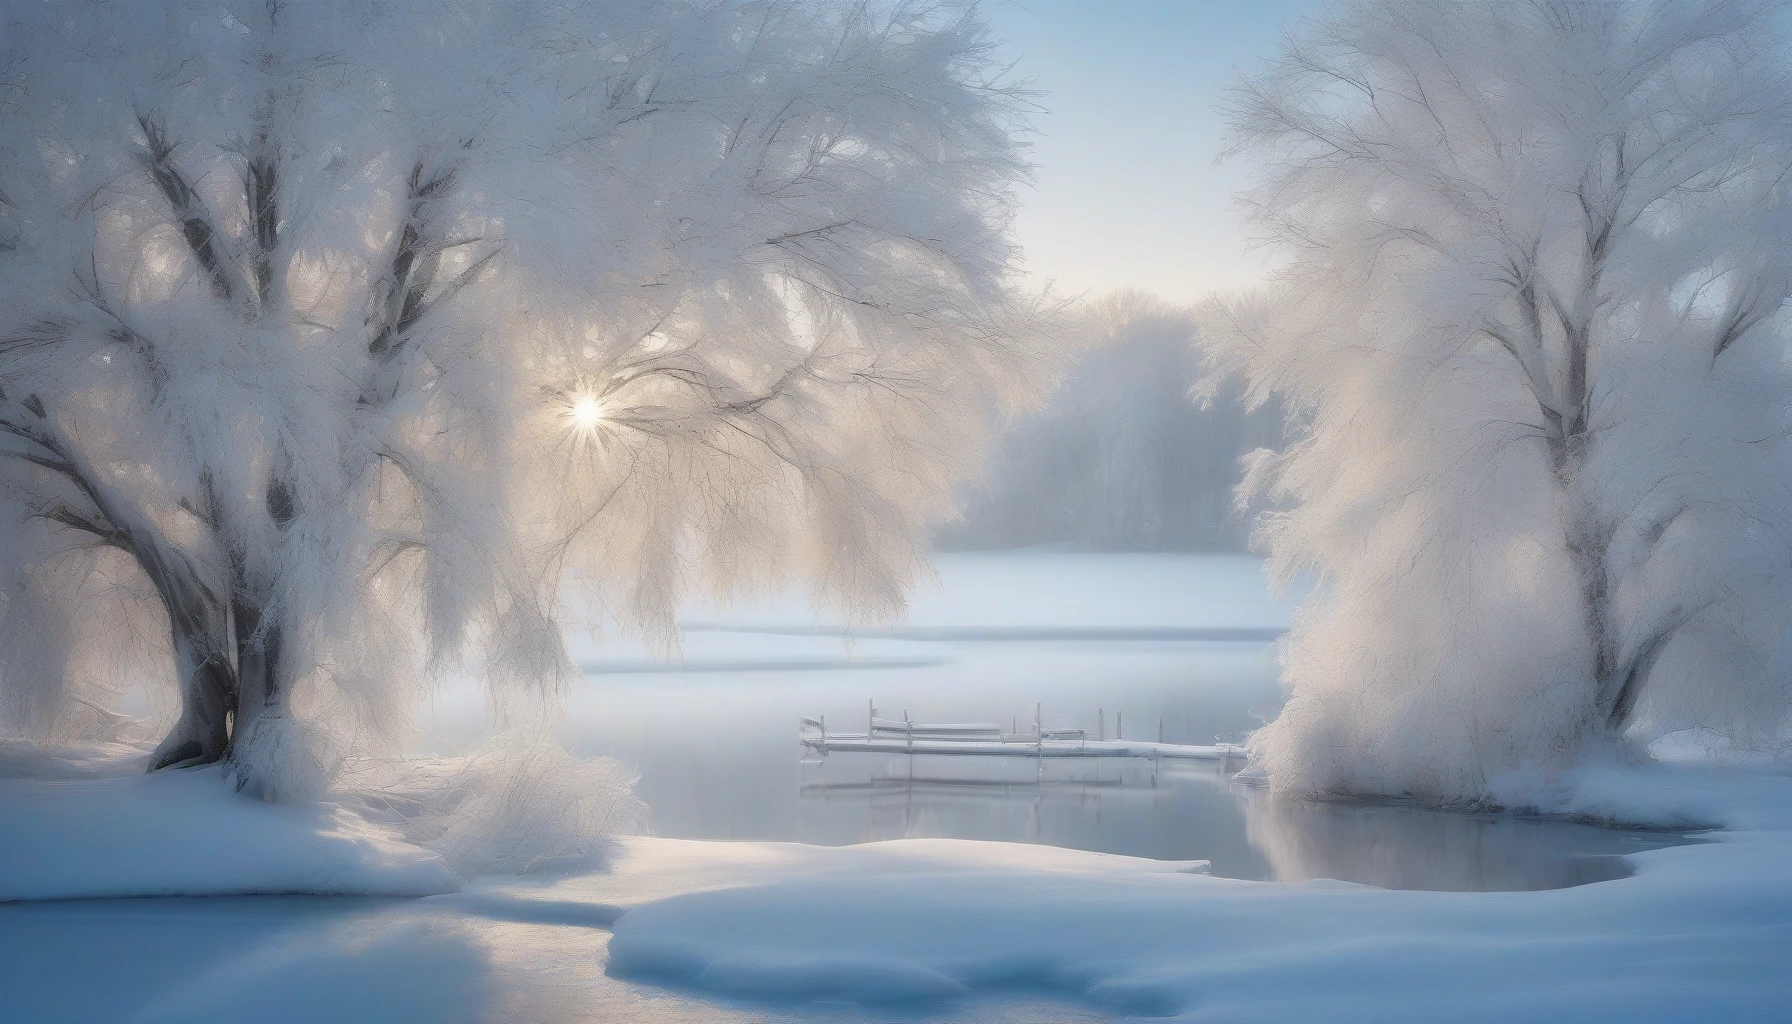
(336, 338)
(1532, 328)
(1124, 455)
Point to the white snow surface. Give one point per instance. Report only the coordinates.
(74, 827)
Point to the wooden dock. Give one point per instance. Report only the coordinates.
(905, 736)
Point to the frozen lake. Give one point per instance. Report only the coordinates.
(1178, 643)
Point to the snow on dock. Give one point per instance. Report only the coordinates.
(905, 736)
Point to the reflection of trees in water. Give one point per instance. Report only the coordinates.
(1179, 812)
(1400, 847)
(1196, 814)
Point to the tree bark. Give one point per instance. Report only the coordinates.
(258, 665)
(208, 697)
(207, 679)
(260, 643)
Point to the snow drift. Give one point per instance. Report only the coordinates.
(85, 822)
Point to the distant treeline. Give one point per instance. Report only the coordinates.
(1123, 456)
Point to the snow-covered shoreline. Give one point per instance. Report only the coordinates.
(1697, 933)
(954, 930)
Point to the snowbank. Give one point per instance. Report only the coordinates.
(187, 833)
(86, 821)
(1683, 941)
(646, 869)
(1698, 933)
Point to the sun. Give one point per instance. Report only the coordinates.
(585, 413)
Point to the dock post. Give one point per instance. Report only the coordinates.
(1119, 723)
(1101, 724)
(908, 726)
(1039, 750)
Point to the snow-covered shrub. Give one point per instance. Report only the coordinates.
(518, 804)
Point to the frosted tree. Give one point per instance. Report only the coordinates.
(1124, 455)
(1532, 329)
(338, 339)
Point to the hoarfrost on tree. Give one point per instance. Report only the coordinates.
(336, 338)
(1531, 327)
(1120, 458)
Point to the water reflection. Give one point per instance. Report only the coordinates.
(1399, 847)
(1124, 805)
(715, 742)
(1192, 812)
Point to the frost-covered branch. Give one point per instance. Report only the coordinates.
(195, 221)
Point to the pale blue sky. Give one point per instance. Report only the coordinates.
(1127, 193)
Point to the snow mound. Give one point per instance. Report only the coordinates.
(1699, 932)
(1707, 943)
(646, 869)
(86, 821)
(187, 833)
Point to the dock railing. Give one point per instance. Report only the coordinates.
(907, 736)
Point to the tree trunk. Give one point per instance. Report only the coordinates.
(197, 624)
(260, 641)
(258, 648)
(208, 693)
(1588, 546)
(1588, 542)
(1618, 675)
